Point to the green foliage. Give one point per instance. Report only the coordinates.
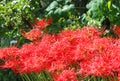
(8, 75)
(42, 76)
(60, 7)
(10, 15)
(63, 14)
(99, 9)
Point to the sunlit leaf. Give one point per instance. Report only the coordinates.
(109, 4)
(58, 11)
(52, 6)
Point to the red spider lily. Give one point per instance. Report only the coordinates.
(9, 53)
(118, 76)
(116, 29)
(71, 52)
(33, 34)
(67, 75)
(36, 32)
(41, 24)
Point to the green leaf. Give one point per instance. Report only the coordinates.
(50, 13)
(67, 1)
(53, 5)
(58, 11)
(67, 8)
(109, 4)
(72, 6)
(59, 0)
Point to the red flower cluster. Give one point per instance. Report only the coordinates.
(41, 24)
(36, 32)
(33, 34)
(67, 55)
(116, 29)
(67, 75)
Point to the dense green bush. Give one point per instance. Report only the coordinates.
(98, 10)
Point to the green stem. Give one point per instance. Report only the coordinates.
(104, 79)
(98, 79)
(26, 78)
(94, 79)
